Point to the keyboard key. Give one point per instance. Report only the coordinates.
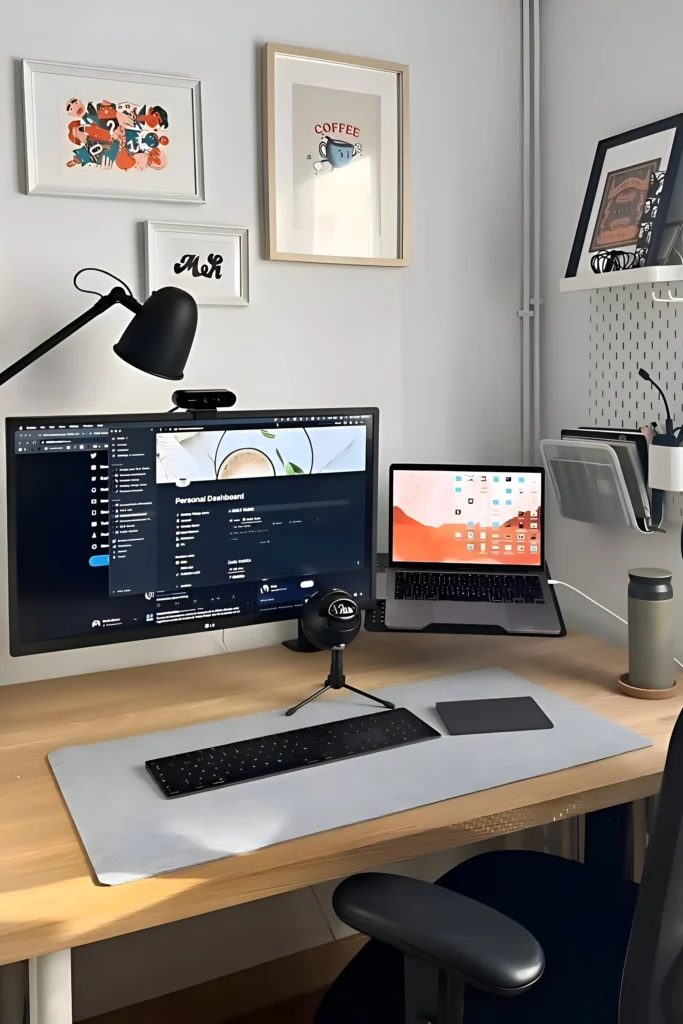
(451, 586)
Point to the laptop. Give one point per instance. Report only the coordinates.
(467, 550)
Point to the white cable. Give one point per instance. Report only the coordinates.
(561, 583)
(223, 643)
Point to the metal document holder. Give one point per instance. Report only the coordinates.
(589, 483)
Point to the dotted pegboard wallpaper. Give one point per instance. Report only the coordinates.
(628, 329)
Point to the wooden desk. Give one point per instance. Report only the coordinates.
(49, 899)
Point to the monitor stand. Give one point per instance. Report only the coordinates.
(337, 681)
(301, 645)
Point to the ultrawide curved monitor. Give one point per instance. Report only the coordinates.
(129, 527)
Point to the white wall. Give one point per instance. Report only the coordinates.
(435, 346)
(608, 65)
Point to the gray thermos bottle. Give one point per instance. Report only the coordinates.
(650, 629)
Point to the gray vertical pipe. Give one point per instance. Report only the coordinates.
(536, 301)
(525, 307)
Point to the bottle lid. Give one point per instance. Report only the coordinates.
(650, 574)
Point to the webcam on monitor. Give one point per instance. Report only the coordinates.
(195, 401)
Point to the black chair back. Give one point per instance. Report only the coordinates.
(652, 986)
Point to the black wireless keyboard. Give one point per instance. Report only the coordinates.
(463, 586)
(198, 770)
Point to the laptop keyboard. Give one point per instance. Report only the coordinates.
(506, 588)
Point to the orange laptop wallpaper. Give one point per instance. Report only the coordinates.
(486, 517)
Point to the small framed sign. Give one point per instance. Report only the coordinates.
(208, 261)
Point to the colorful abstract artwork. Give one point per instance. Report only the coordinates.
(79, 121)
(125, 136)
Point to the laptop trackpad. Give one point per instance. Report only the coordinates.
(475, 613)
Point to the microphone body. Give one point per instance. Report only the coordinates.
(669, 423)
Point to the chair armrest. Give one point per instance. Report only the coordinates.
(452, 932)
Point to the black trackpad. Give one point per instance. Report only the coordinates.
(498, 714)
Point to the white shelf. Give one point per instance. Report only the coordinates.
(619, 278)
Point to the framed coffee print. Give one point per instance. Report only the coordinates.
(629, 191)
(113, 134)
(210, 262)
(336, 157)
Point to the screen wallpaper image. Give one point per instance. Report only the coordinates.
(453, 516)
(190, 456)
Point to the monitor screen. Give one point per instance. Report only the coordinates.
(467, 515)
(129, 527)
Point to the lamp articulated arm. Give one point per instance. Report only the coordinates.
(157, 340)
(116, 295)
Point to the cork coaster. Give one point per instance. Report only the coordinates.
(639, 691)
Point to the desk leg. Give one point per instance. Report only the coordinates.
(639, 837)
(13, 989)
(616, 839)
(49, 988)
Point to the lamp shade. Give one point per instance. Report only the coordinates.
(159, 337)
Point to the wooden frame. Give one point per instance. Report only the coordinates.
(270, 51)
(32, 183)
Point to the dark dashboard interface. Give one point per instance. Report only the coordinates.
(127, 528)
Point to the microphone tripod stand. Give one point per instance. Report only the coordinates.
(336, 680)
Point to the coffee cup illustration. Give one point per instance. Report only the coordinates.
(338, 152)
(254, 453)
(245, 462)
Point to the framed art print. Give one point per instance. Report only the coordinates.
(629, 191)
(336, 147)
(621, 208)
(112, 134)
(209, 262)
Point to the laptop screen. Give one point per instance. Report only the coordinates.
(482, 516)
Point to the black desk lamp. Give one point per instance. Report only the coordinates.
(157, 340)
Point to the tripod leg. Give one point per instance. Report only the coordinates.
(371, 696)
(323, 689)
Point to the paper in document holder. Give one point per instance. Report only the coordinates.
(131, 831)
(590, 485)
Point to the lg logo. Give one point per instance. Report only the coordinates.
(209, 625)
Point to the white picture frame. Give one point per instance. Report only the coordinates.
(336, 149)
(71, 150)
(185, 256)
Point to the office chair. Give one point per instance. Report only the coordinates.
(572, 943)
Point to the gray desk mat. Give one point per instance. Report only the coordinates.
(131, 831)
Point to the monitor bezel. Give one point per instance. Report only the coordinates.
(488, 567)
(19, 648)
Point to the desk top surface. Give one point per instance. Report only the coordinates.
(49, 899)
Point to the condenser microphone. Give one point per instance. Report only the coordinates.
(669, 423)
